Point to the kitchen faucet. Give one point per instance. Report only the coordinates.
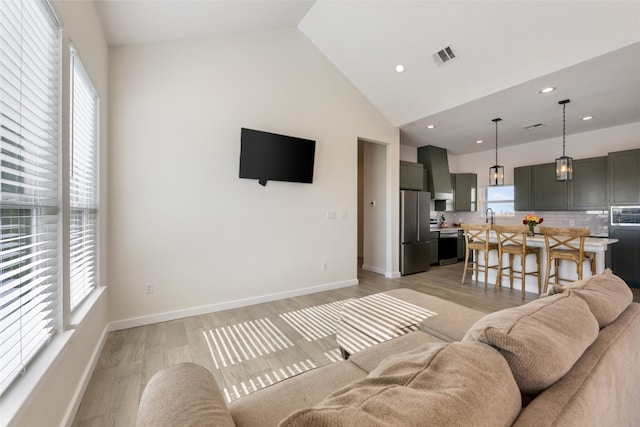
(489, 218)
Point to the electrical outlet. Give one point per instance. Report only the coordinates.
(324, 265)
(571, 223)
(148, 288)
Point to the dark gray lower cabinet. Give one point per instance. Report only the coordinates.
(433, 238)
(461, 245)
(625, 255)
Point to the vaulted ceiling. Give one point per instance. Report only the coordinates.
(506, 52)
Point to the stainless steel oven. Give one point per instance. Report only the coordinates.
(448, 247)
(625, 216)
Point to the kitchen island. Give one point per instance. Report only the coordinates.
(598, 245)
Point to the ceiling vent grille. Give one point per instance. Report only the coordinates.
(444, 55)
(534, 126)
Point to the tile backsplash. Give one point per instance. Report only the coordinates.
(597, 221)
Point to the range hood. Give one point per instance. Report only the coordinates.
(436, 166)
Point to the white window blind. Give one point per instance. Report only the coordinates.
(29, 136)
(83, 183)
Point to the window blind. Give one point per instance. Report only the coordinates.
(29, 137)
(83, 183)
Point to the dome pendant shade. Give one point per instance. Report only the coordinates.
(564, 164)
(496, 172)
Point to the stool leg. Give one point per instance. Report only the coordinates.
(486, 268)
(538, 272)
(499, 276)
(466, 263)
(548, 276)
(580, 264)
(511, 270)
(523, 273)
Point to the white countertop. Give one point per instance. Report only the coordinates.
(590, 243)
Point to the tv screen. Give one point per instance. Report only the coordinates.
(268, 156)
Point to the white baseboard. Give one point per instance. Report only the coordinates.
(196, 311)
(373, 268)
(392, 275)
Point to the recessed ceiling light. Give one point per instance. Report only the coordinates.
(400, 68)
(431, 126)
(479, 141)
(587, 118)
(547, 89)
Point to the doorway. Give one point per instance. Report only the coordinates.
(372, 206)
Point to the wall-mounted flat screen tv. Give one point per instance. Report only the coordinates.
(268, 156)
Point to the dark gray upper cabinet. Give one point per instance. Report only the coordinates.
(548, 194)
(624, 177)
(536, 188)
(466, 192)
(522, 188)
(411, 176)
(588, 190)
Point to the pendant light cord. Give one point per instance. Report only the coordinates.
(564, 122)
(496, 122)
(496, 142)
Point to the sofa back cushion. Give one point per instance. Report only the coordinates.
(606, 294)
(454, 384)
(540, 340)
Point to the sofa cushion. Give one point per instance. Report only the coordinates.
(606, 294)
(453, 384)
(368, 359)
(540, 340)
(270, 405)
(185, 395)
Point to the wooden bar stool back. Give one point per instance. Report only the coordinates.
(566, 244)
(476, 237)
(512, 240)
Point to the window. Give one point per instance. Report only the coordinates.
(29, 201)
(83, 189)
(500, 199)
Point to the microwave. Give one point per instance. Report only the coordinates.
(626, 216)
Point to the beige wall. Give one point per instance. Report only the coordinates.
(65, 366)
(183, 220)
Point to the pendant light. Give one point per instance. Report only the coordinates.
(564, 164)
(496, 172)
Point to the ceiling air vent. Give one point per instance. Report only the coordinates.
(534, 126)
(444, 55)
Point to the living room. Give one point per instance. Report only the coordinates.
(174, 213)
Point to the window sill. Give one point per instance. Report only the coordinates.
(85, 307)
(17, 398)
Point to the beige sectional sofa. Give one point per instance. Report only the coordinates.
(569, 359)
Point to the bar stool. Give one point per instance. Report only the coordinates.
(566, 244)
(512, 240)
(476, 238)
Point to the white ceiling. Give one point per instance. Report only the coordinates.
(507, 51)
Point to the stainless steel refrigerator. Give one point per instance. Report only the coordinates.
(414, 231)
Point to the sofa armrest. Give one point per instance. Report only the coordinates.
(452, 324)
(183, 395)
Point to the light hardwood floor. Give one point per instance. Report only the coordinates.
(249, 347)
